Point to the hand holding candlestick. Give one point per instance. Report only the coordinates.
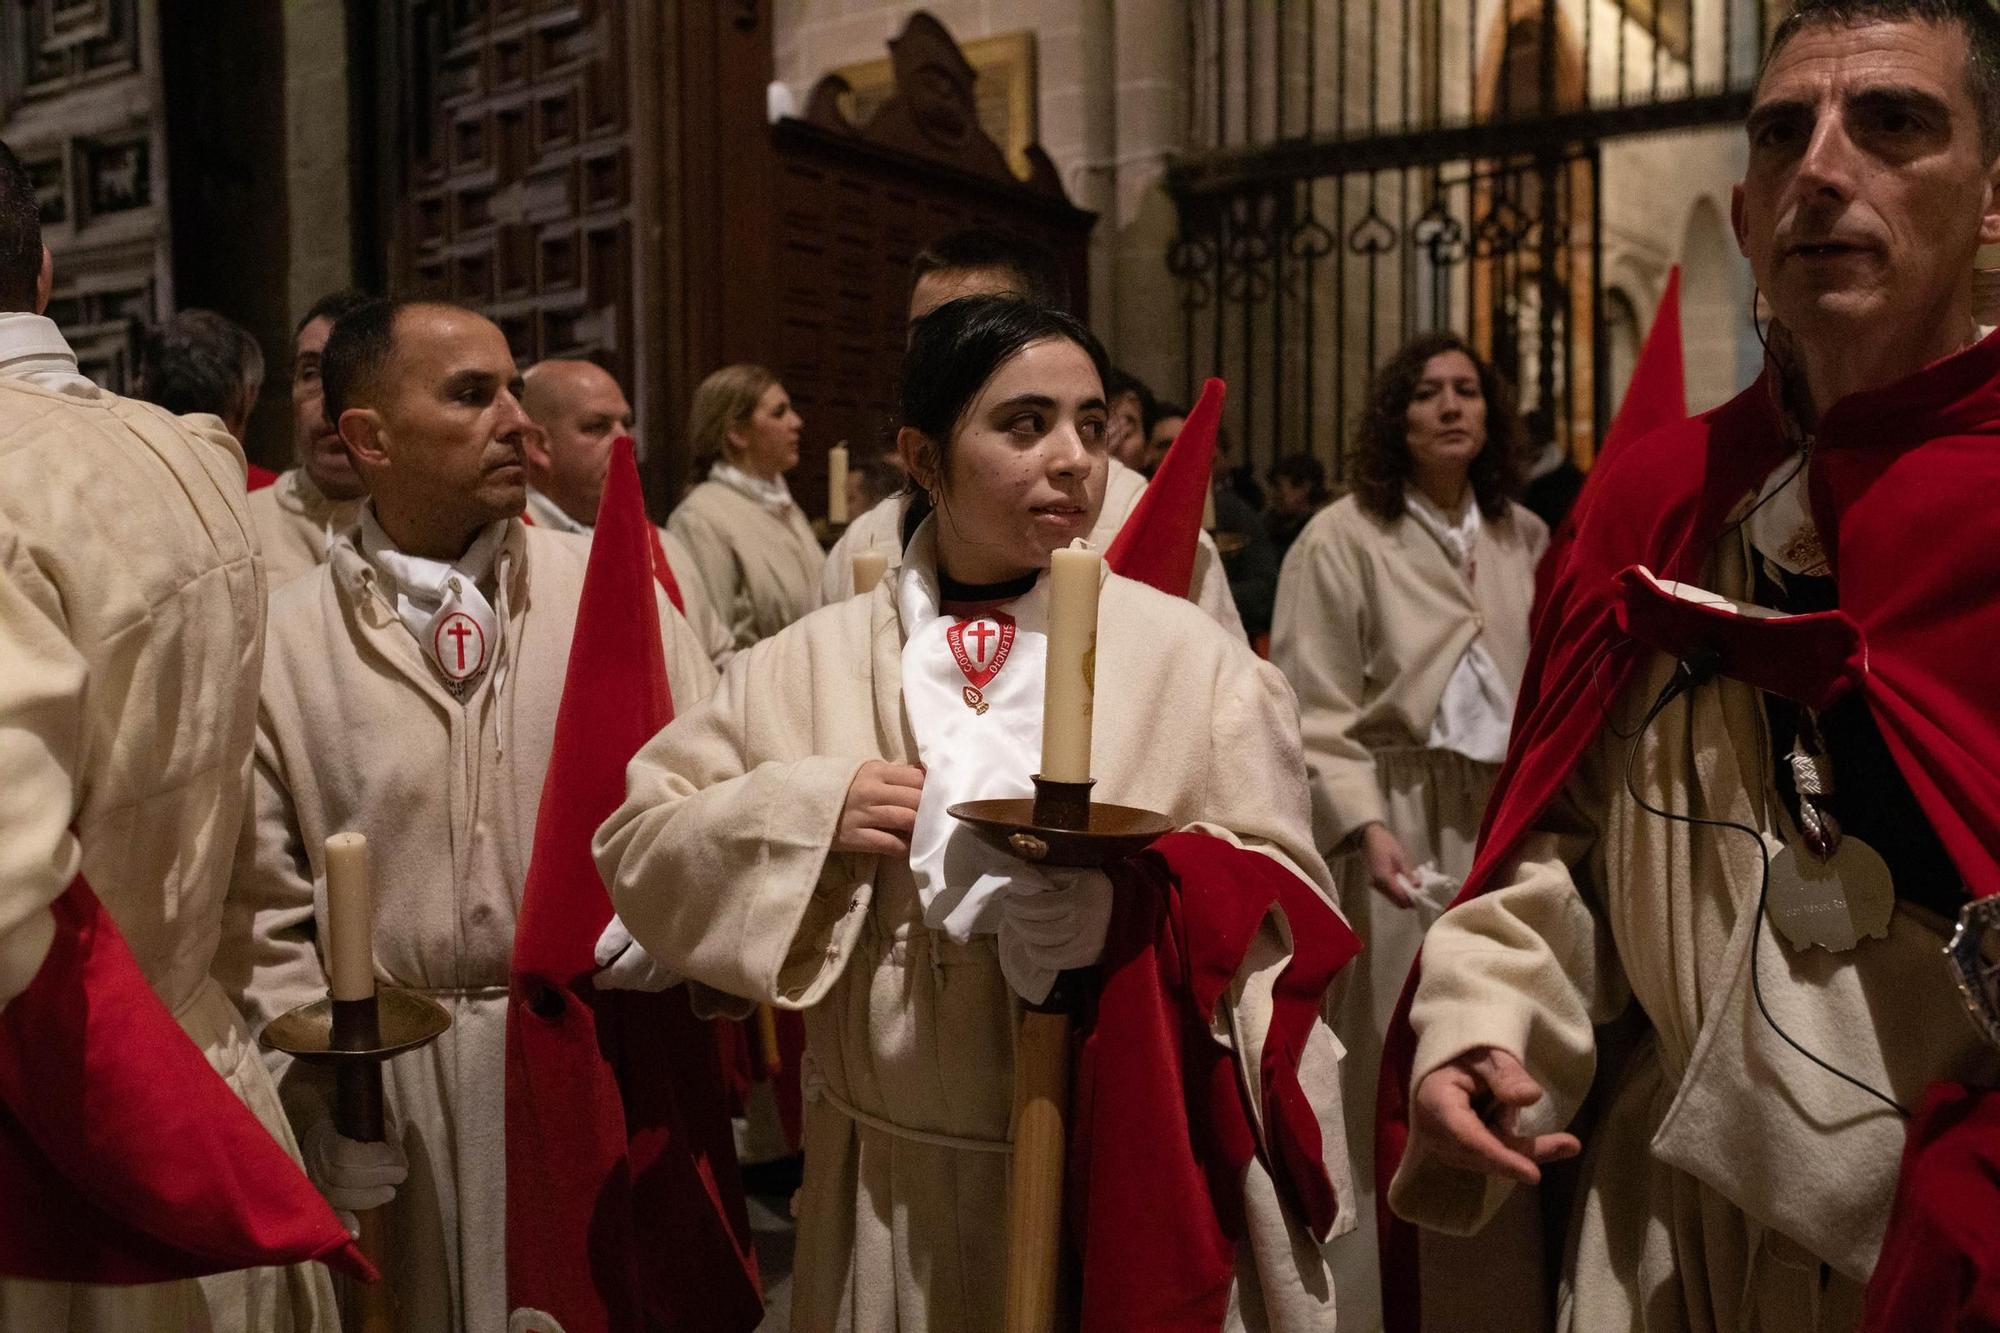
(355, 1029)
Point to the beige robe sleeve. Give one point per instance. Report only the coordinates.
(42, 680)
(700, 612)
(717, 860)
(1530, 969)
(716, 569)
(1320, 633)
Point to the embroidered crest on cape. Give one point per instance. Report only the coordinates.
(980, 646)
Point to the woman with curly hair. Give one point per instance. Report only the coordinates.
(1402, 624)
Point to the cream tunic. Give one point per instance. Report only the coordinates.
(720, 864)
(355, 732)
(296, 524)
(1371, 620)
(695, 608)
(881, 529)
(131, 629)
(758, 568)
(1722, 1170)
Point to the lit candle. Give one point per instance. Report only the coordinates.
(1074, 577)
(869, 567)
(836, 484)
(350, 912)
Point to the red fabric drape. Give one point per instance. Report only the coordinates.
(1655, 398)
(624, 1209)
(1902, 485)
(1162, 1134)
(124, 1157)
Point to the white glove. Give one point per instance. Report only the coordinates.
(1051, 921)
(354, 1176)
(624, 964)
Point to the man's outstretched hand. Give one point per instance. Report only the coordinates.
(1465, 1113)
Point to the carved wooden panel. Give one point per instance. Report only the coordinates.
(516, 177)
(79, 104)
(854, 205)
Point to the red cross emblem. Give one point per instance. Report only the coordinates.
(980, 646)
(458, 646)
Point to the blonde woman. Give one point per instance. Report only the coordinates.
(753, 549)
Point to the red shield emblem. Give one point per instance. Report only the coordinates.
(980, 646)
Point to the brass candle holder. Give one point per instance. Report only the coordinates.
(1061, 826)
(355, 1037)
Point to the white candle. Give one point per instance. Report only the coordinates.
(1074, 577)
(1208, 508)
(869, 567)
(350, 912)
(836, 484)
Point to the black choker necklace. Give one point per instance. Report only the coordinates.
(951, 590)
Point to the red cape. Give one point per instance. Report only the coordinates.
(1162, 1133)
(1894, 469)
(124, 1157)
(624, 1208)
(1655, 398)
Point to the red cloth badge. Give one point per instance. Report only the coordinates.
(981, 648)
(458, 646)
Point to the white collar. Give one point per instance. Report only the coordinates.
(772, 494)
(1457, 536)
(420, 578)
(548, 514)
(32, 348)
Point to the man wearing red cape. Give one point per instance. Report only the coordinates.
(1703, 941)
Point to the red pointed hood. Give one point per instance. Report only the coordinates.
(1157, 544)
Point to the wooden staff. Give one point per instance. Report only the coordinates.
(1035, 1180)
(767, 1041)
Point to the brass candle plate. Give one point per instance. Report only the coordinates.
(406, 1019)
(1115, 831)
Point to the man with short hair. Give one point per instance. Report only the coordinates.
(1740, 838)
(410, 690)
(131, 629)
(579, 412)
(199, 361)
(298, 516)
(991, 263)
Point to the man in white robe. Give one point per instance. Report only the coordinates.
(131, 628)
(410, 692)
(298, 515)
(579, 412)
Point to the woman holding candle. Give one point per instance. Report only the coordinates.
(788, 841)
(1402, 622)
(753, 549)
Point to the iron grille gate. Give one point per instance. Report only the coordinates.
(1360, 171)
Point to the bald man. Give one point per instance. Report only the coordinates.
(409, 694)
(578, 411)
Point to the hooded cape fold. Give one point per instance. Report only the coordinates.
(624, 1208)
(124, 1157)
(1901, 487)
(1161, 1135)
